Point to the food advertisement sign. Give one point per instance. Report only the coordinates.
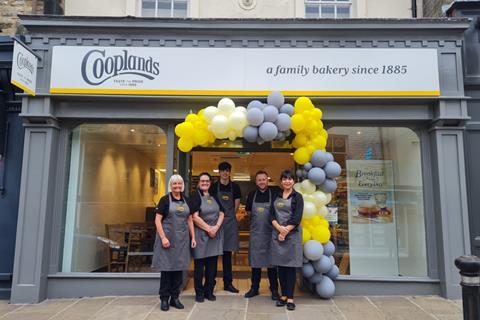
(370, 191)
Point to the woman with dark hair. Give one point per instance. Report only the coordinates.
(175, 236)
(208, 215)
(286, 247)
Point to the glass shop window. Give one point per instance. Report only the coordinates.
(164, 8)
(377, 212)
(117, 175)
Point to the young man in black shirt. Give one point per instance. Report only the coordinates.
(228, 193)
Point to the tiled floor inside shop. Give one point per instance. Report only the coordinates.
(235, 307)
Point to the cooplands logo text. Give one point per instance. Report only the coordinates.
(97, 67)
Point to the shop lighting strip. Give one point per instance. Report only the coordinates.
(433, 93)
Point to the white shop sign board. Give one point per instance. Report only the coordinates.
(244, 71)
(24, 69)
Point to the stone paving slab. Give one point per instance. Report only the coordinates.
(236, 307)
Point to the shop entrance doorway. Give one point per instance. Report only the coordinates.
(244, 166)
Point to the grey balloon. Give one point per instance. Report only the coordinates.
(260, 140)
(255, 104)
(304, 173)
(270, 113)
(307, 166)
(328, 248)
(318, 158)
(287, 109)
(329, 185)
(332, 169)
(255, 117)
(250, 133)
(316, 278)
(313, 250)
(276, 99)
(308, 270)
(283, 122)
(299, 173)
(332, 260)
(325, 288)
(316, 175)
(268, 131)
(328, 156)
(323, 264)
(333, 273)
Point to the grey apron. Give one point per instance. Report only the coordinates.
(175, 226)
(206, 246)
(230, 224)
(287, 253)
(260, 233)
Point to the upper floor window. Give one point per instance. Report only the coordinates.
(164, 8)
(334, 9)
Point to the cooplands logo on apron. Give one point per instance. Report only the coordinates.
(209, 201)
(280, 204)
(260, 209)
(180, 208)
(225, 197)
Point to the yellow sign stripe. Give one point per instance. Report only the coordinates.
(21, 86)
(433, 93)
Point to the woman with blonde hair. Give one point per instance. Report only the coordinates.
(175, 236)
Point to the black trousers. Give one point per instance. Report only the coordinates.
(287, 276)
(227, 268)
(207, 266)
(272, 278)
(170, 283)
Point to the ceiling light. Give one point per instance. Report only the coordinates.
(132, 130)
(359, 132)
(215, 170)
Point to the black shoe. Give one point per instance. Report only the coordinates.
(280, 303)
(199, 299)
(230, 288)
(251, 293)
(290, 306)
(164, 305)
(275, 295)
(210, 297)
(175, 302)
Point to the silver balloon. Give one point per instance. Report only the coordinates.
(318, 158)
(329, 186)
(316, 175)
(287, 108)
(255, 104)
(332, 169)
(283, 122)
(325, 288)
(328, 248)
(255, 117)
(323, 264)
(250, 133)
(270, 113)
(328, 157)
(333, 273)
(299, 173)
(313, 250)
(307, 166)
(268, 131)
(316, 278)
(276, 99)
(308, 270)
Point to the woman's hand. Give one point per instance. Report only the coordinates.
(213, 231)
(281, 237)
(283, 230)
(165, 243)
(193, 243)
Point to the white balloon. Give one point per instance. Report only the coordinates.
(329, 197)
(309, 210)
(319, 198)
(226, 106)
(323, 211)
(308, 187)
(241, 109)
(232, 135)
(209, 113)
(219, 126)
(298, 187)
(238, 120)
(308, 197)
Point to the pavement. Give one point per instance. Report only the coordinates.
(235, 307)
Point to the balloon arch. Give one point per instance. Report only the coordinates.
(301, 124)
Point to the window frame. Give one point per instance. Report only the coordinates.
(172, 8)
(334, 3)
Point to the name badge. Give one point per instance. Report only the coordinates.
(280, 204)
(260, 209)
(225, 197)
(180, 208)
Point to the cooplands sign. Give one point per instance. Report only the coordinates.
(24, 68)
(244, 71)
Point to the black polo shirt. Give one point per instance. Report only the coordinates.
(163, 205)
(297, 208)
(262, 197)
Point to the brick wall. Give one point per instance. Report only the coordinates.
(433, 8)
(9, 9)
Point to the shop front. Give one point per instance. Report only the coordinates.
(100, 143)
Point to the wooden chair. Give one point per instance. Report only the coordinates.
(141, 238)
(117, 238)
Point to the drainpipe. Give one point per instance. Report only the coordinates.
(34, 6)
(414, 8)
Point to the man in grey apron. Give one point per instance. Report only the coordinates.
(228, 193)
(171, 253)
(258, 207)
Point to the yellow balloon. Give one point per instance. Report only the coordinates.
(300, 139)
(324, 223)
(192, 118)
(301, 155)
(185, 144)
(321, 234)
(303, 104)
(312, 126)
(184, 130)
(315, 220)
(319, 142)
(306, 236)
(317, 113)
(298, 123)
(200, 112)
(201, 137)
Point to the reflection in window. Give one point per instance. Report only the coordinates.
(332, 9)
(164, 8)
(117, 175)
(379, 230)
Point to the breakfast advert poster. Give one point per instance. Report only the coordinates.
(370, 188)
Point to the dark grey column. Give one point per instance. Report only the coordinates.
(35, 203)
